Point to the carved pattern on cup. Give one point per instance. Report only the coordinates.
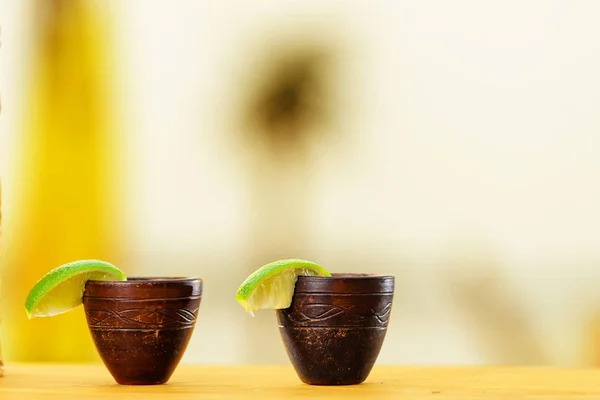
(309, 313)
(142, 318)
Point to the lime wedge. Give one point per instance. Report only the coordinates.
(61, 289)
(272, 285)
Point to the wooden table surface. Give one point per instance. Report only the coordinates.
(50, 381)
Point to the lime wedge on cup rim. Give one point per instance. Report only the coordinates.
(61, 289)
(272, 285)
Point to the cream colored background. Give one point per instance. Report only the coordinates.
(466, 148)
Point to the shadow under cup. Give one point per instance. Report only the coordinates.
(141, 327)
(335, 327)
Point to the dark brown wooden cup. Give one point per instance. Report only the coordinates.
(335, 327)
(142, 326)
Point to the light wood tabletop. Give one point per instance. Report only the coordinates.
(52, 381)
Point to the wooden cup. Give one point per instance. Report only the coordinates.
(335, 327)
(141, 327)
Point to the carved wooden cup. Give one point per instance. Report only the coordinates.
(335, 326)
(142, 326)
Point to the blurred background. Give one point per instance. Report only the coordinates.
(452, 144)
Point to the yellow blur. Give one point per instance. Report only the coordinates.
(63, 169)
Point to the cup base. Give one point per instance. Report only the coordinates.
(144, 357)
(332, 356)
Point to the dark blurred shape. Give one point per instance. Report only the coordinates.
(293, 98)
(289, 96)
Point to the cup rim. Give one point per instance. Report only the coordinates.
(346, 283)
(144, 287)
(349, 275)
(149, 279)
